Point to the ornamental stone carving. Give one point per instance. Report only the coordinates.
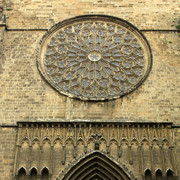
(94, 57)
(60, 146)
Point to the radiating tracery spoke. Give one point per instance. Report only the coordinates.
(94, 60)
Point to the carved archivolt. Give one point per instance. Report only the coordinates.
(94, 57)
(96, 165)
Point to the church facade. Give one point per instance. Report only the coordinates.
(89, 90)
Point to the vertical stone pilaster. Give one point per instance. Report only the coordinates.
(17, 149)
(30, 155)
(140, 159)
(162, 159)
(52, 159)
(130, 154)
(172, 153)
(51, 150)
(64, 155)
(152, 161)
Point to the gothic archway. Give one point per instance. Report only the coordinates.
(97, 166)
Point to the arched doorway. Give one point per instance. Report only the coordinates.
(96, 166)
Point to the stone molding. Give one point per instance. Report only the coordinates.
(57, 145)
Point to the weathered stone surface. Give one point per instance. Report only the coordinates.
(26, 96)
(59, 146)
(8, 138)
(143, 14)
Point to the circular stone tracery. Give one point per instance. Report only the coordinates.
(94, 57)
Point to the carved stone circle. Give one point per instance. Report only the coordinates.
(94, 57)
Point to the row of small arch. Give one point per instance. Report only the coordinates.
(158, 174)
(33, 173)
(101, 139)
(45, 174)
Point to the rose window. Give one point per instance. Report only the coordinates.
(94, 57)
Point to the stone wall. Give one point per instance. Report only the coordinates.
(8, 140)
(161, 14)
(26, 96)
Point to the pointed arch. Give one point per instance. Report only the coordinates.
(145, 141)
(97, 172)
(20, 169)
(155, 141)
(124, 141)
(25, 140)
(33, 174)
(21, 173)
(170, 174)
(90, 139)
(45, 174)
(44, 168)
(134, 141)
(57, 140)
(97, 164)
(32, 169)
(148, 174)
(113, 140)
(80, 139)
(165, 142)
(46, 140)
(69, 140)
(99, 176)
(103, 139)
(158, 174)
(35, 140)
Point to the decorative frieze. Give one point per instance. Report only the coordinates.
(55, 145)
